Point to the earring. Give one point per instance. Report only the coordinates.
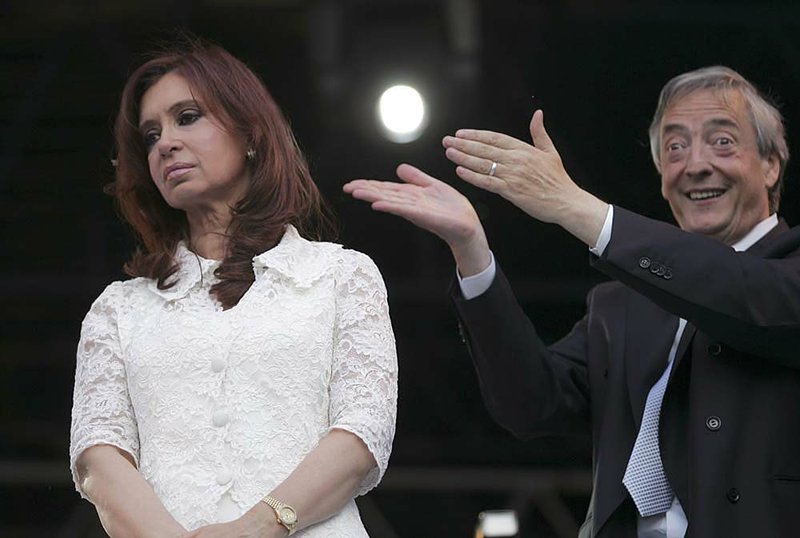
(250, 154)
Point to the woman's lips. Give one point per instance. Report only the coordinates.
(176, 170)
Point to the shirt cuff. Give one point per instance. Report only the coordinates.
(605, 233)
(475, 285)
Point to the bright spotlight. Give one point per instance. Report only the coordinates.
(402, 113)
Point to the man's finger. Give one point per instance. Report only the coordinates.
(372, 185)
(474, 148)
(415, 176)
(354, 184)
(483, 181)
(367, 189)
(491, 138)
(366, 194)
(476, 164)
(539, 135)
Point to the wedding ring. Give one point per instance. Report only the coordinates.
(493, 169)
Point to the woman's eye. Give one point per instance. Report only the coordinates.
(187, 117)
(150, 139)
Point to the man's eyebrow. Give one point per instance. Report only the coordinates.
(171, 111)
(721, 122)
(671, 128)
(713, 123)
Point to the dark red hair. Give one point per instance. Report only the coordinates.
(281, 190)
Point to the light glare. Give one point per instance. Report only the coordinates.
(496, 523)
(402, 113)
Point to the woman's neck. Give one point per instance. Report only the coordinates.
(209, 234)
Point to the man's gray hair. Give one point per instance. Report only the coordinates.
(765, 117)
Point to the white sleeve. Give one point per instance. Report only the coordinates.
(101, 407)
(475, 285)
(605, 233)
(363, 388)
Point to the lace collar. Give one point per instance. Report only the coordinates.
(296, 258)
(293, 257)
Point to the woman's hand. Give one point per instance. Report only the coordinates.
(258, 522)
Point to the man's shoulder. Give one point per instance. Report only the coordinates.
(782, 242)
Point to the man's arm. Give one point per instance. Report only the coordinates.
(524, 384)
(749, 302)
(746, 301)
(528, 387)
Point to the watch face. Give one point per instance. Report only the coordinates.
(288, 516)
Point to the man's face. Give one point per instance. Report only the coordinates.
(711, 172)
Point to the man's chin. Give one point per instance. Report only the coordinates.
(712, 229)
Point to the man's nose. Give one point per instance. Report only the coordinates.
(698, 162)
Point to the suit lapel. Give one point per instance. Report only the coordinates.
(652, 331)
(649, 333)
(683, 346)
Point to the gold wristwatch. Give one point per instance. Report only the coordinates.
(286, 515)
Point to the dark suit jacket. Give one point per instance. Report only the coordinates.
(730, 421)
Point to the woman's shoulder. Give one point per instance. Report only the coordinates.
(121, 295)
(356, 260)
(129, 287)
(355, 269)
(342, 259)
(307, 260)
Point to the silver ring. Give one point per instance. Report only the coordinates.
(493, 169)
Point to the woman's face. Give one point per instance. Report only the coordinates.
(195, 163)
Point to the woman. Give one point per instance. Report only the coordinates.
(243, 363)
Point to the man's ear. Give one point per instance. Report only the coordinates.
(772, 170)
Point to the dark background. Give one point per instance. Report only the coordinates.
(595, 68)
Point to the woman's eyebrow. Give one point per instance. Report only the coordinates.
(171, 111)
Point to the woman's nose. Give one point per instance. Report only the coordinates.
(168, 143)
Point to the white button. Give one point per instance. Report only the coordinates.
(217, 364)
(220, 418)
(251, 465)
(224, 476)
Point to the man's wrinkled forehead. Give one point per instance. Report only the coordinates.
(719, 107)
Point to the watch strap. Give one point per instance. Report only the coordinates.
(285, 514)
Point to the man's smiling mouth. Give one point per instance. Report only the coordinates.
(705, 194)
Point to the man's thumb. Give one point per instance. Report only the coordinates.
(539, 135)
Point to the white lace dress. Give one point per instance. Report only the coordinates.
(218, 406)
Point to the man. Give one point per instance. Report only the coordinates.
(686, 369)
